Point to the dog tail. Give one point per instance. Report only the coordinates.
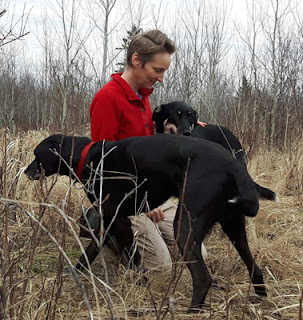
(265, 193)
(246, 198)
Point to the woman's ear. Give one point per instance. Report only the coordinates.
(136, 60)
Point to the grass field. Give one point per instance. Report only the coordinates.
(38, 240)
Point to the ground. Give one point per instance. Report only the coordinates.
(37, 284)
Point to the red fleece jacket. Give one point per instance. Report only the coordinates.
(117, 112)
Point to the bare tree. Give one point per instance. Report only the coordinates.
(269, 68)
(216, 48)
(70, 42)
(250, 37)
(12, 28)
(100, 14)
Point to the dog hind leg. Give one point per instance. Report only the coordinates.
(235, 230)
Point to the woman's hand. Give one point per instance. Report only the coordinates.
(156, 215)
(202, 124)
(169, 127)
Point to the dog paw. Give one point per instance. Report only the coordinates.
(198, 309)
(255, 299)
(261, 291)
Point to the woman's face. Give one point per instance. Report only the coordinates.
(153, 70)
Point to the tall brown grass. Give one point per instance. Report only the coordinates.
(37, 284)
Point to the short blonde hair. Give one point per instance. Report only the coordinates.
(148, 44)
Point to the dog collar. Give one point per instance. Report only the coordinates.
(82, 160)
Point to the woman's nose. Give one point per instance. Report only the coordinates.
(160, 78)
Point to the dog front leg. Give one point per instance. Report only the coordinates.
(124, 237)
(191, 252)
(236, 233)
(91, 251)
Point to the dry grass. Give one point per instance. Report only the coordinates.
(37, 285)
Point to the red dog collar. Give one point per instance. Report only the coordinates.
(82, 160)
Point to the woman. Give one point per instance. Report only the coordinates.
(121, 109)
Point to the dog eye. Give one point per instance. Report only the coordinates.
(189, 113)
(179, 113)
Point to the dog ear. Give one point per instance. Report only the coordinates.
(46, 154)
(158, 111)
(193, 117)
(159, 116)
(66, 152)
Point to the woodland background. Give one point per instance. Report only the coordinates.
(238, 63)
(240, 68)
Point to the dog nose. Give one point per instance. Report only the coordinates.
(186, 133)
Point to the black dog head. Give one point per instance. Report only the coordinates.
(45, 158)
(178, 113)
(56, 154)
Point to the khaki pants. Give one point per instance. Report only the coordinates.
(152, 238)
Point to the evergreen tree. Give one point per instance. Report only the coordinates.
(126, 41)
(244, 91)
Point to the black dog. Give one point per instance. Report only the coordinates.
(184, 118)
(218, 189)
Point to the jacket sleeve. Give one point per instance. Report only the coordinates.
(104, 116)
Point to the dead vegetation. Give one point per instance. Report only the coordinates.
(38, 226)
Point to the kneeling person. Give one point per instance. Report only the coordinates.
(121, 109)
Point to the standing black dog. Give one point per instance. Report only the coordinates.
(218, 189)
(184, 118)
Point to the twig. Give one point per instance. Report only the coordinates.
(228, 281)
(248, 291)
(70, 265)
(175, 279)
(300, 306)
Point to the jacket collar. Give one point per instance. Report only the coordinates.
(131, 95)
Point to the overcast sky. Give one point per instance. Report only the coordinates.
(237, 14)
(237, 9)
